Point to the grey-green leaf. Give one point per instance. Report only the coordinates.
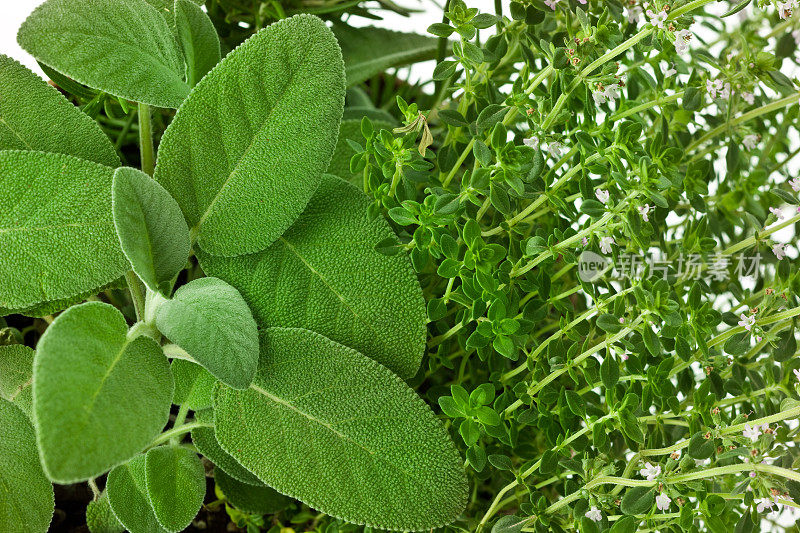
(209, 319)
(16, 375)
(194, 385)
(35, 116)
(122, 47)
(27, 501)
(176, 485)
(206, 443)
(151, 229)
(259, 500)
(127, 494)
(271, 105)
(99, 397)
(100, 518)
(369, 51)
(198, 39)
(56, 230)
(338, 431)
(325, 275)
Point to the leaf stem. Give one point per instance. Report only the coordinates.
(137, 294)
(176, 431)
(146, 140)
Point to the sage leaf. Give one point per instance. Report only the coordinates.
(16, 375)
(122, 47)
(258, 500)
(176, 485)
(35, 116)
(209, 319)
(336, 430)
(198, 39)
(206, 443)
(194, 385)
(151, 229)
(225, 156)
(56, 230)
(325, 275)
(100, 518)
(99, 397)
(127, 493)
(369, 51)
(27, 501)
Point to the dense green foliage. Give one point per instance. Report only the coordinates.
(546, 290)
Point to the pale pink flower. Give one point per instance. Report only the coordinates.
(657, 19)
(764, 503)
(584, 241)
(796, 373)
(752, 474)
(795, 184)
(650, 471)
(750, 98)
(602, 195)
(555, 148)
(750, 141)
(747, 322)
(605, 244)
(796, 36)
(725, 93)
(644, 210)
(634, 13)
(751, 433)
(551, 4)
(682, 41)
(670, 72)
(594, 514)
(777, 212)
(533, 142)
(784, 10)
(662, 502)
(779, 251)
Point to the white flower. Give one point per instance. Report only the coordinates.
(662, 502)
(634, 13)
(701, 462)
(795, 183)
(796, 373)
(602, 195)
(712, 87)
(643, 210)
(657, 19)
(682, 41)
(612, 91)
(594, 514)
(533, 142)
(670, 72)
(751, 433)
(551, 4)
(584, 241)
(747, 321)
(750, 98)
(777, 212)
(750, 141)
(725, 93)
(650, 472)
(784, 10)
(796, 35)
(778, 250)
(599, 98)
(605, 244)
(555, 148)
(764, 503)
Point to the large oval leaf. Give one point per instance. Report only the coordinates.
(176, 485)
(127, 493)
(99, 397)
(245, 151)
(206, 443)
(56, 231)
(151, 229)
(336, 430)
(325, 275)
(259, 500)
(198, 38)
(209, 319)
(27, 502)
(122, 47)
(35, 116)
(16, 375)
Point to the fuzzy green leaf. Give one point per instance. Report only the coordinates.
(361, 444)
(127, 494)
(35, 116)
(99, 397)
(151, 229)
(16, 375)
(259, 500)
(198, 39)
(100, 517)
(176, 485)
(206, 443)
(369, 51)
(272, 104)
(56, 230)
(122, 47)
(638, 500)
(209, 319)
(27, 501)
(194, 385)
(325, 275)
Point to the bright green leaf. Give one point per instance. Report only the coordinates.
(361, 444)
(209, 319)
(176, 485)
(198, 39)
(324, 275)
(99, 397)
(27, 502)
(100, 518)
(638, 500)
(194, 385)
(272, 104)
(259, 500)
(35, 116)
(122, 47)
(16, 375)
(127, 494)
(206, 443)
(56, 232)
(151, 229)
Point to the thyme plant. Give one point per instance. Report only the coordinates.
(558, 292)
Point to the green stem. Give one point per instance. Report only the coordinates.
(177, 431)
(137, 293)
(146, 140)
(180, 418)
